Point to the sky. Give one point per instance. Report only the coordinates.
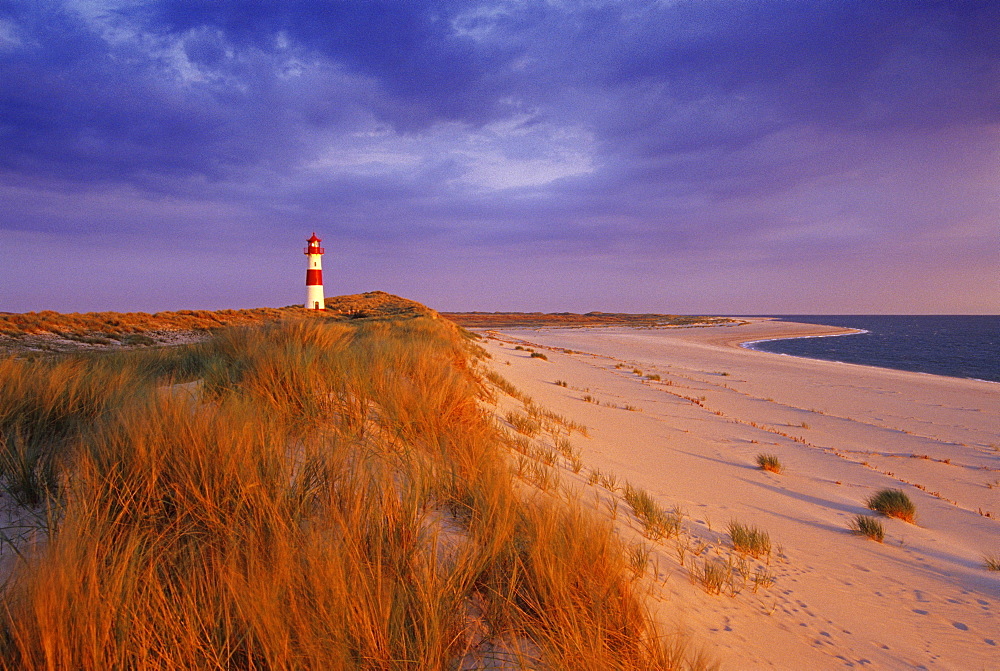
(680, 156)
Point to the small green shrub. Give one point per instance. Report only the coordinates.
(539, 355)
(749, 540)
(893, 503)
(991, 562)
(869, 527)
(654, 377)
(769, 462)
(562, 383)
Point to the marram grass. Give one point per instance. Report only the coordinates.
(749, 540)
(333, 496)
(869, 527)
(769, 462)
(893, 503)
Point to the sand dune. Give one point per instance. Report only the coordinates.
(920, 600)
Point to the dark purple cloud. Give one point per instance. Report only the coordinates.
(734, 137)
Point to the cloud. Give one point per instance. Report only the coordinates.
(606, 130)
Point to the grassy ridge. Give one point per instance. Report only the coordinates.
(50, 331)
(332, 496)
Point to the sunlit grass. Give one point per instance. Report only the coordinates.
(893, 503)
(769, 462)
(749, 540)
(869, 527)
(331, 496)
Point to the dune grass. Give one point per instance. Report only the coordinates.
(769, 462)
(657, 523)
(893, 503)
(749, 540)
(333, 497)
(869, 527)
(712, 575)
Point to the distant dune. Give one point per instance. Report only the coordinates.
(61, 332)
(536, 319)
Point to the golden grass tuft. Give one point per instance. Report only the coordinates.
(769, 462)
(869, 527)
(893, 503)
(749, 540)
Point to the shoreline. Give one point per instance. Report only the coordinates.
(795, 330)
(749, 344)
(683, 413)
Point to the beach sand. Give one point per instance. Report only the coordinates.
(922, 599)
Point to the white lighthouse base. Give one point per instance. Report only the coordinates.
(314, 297)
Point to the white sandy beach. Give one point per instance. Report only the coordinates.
(920, 600)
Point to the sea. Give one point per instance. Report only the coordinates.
(954, 345)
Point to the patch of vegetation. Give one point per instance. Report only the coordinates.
(30, 330)
(236, 522)
(712, 575)
(893, 503)
(539, 355)
(529, 426)
(769, 462)
(869, 527)
(657, 523)
(749, 540)
(991, 562)
(137, 339)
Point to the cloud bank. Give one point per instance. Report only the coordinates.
(683, 156)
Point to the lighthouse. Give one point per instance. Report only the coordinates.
(314, 274)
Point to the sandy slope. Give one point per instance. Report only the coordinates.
(921, 600)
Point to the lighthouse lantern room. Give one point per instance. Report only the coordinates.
(314, 274)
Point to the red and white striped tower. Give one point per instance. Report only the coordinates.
(314, 275)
